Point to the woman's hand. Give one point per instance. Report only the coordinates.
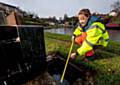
(73, 56)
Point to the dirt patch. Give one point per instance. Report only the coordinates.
(43, 79)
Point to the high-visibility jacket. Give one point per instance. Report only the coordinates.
(80, 39)
(96, 35)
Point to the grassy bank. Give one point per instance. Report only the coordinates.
(107, 64)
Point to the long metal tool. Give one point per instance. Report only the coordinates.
(66, 64)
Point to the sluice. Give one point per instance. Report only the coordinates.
(22, 53)
(75, 73)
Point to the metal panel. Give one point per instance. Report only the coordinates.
(20, 61)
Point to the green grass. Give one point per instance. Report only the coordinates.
(57, 36)
(107, 64)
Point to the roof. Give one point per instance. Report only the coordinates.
(9, 5)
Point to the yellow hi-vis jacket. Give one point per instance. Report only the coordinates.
(96, 35)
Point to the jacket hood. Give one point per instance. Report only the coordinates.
(91, 20)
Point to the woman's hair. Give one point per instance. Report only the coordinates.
(86, 12)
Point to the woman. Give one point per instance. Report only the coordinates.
(89, 33)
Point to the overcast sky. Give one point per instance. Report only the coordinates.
(46, 8)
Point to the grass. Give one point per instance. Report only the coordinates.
(57, 36)
(107, 64)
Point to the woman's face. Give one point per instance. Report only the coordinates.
(82, 19)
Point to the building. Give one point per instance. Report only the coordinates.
(9, 8)
(10, 15)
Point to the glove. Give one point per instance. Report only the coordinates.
(73, 38)
(73, 56)
(113, 14)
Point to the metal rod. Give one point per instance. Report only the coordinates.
(62, 78)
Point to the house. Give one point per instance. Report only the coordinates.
(9, 8)
(10, 15)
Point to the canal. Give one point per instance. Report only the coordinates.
(114, 34)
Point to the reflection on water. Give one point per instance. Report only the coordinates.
(57, 78)
(114, 34)
(60, 30)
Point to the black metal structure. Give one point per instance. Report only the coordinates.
(24, 59)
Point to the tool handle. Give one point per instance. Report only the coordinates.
(63, 74)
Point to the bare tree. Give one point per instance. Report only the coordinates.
(116, 6)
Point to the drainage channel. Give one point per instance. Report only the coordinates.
(76, 74)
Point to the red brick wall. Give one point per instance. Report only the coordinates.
(11, 20)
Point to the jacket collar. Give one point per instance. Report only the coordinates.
(91, 20)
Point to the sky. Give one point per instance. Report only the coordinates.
(47, 8)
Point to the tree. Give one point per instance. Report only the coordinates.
(65, 17)
(60, 20)
(54, 19)
(36, 17)
(116, 6)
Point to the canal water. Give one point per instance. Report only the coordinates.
(114, 34)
